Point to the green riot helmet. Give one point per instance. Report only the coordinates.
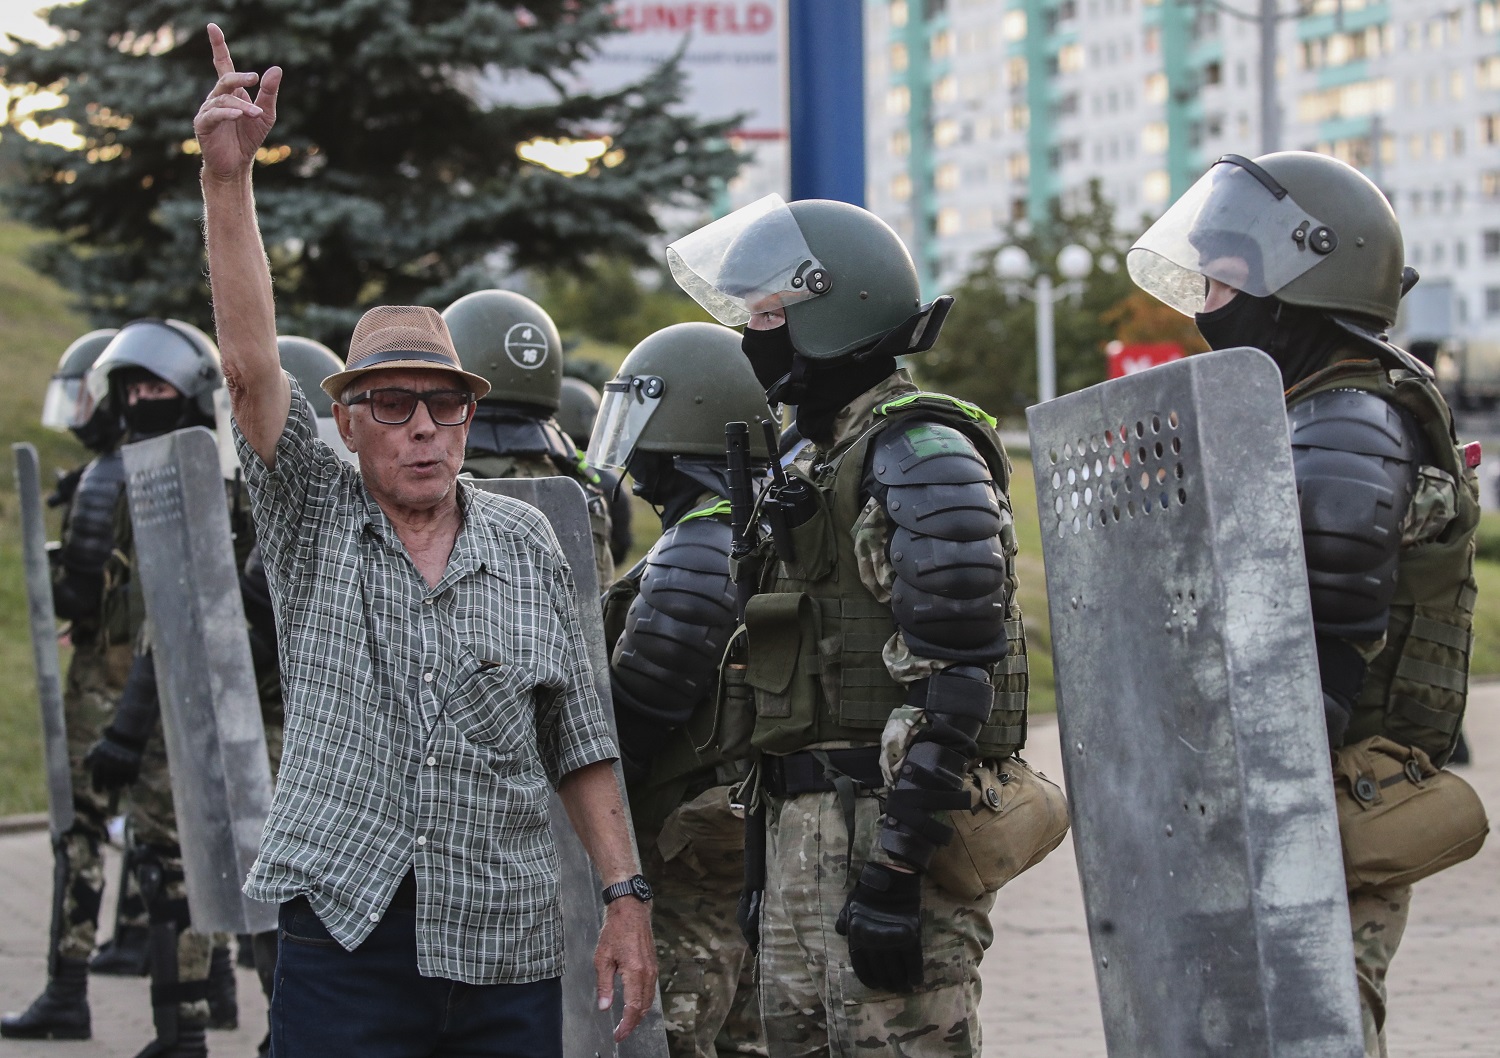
(512, 342)
(61, 409)
(309, 362)
(1304, 228)
(844, 279)
(174, 351)
(578, 410)
(674, 393)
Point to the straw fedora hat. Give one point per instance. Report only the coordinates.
(389, 337)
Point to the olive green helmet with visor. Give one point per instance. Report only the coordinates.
(309, 362)
(67, 404)
(842, 276)
(1305, 228)
(674, 393)
(173, 351)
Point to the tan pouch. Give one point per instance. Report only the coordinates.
(1016, 817)
(705, 835)
(1400, 818)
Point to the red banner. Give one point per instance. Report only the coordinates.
(1125, 359)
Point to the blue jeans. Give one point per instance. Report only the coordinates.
(372, 1003)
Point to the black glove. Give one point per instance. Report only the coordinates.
(114, 761)
(883, 920)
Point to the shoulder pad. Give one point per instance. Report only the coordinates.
(920, 453)
(968, 511)
(1353, 420)
(698, 544)
(91, 518)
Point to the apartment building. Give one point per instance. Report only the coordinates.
(984, 111)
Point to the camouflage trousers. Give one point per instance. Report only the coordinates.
(811, 1001)
(1378, 918)
(695, 864)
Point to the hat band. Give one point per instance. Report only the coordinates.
(395, 355)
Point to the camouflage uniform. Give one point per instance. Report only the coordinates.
(1378, 917)
(483, 464)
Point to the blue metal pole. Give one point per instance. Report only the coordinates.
(827, 60)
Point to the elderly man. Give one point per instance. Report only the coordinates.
(435, 676)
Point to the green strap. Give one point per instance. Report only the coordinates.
(587, 471)
(722, 507)
(847, 789)
(1433, 675)
(1010, 665)
(1010, 700)
(1443, 634)
(1468, 595)
(1418, 713)
(973, 411)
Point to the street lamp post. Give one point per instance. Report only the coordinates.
(1014, 266)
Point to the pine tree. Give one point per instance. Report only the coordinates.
(384, 181)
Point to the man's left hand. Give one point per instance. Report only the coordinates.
(626, 948)
(883, 920)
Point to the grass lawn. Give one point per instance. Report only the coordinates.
(36, 325)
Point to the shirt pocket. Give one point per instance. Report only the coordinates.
(492, 704)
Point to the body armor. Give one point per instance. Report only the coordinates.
(1417, 685)
(819, 638)
(87, 538)
(667, 624)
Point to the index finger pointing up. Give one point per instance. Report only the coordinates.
(222, 62)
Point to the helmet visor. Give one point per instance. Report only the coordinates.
(628, 405)
(1229, 226)
(61, 403)
(165, 352)
(754, 260)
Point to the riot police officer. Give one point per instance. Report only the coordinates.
(513, 344)
(886, 614)
(1300, 255)
(683, 740)
(576, 414)
(88, 496)
(161, 376)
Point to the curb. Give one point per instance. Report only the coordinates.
(23, 824)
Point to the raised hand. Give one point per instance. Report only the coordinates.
(230, 126)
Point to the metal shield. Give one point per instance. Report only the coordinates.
(49, 690)
(216, 745)
(1191, 715)
(586, 1030)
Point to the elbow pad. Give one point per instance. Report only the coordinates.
(945, 547)
(1355, 458)
(137, 711)
(90, 537)
(667, 658)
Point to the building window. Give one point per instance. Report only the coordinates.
(1014, 25)
(945, 90)
(1489, 129)
(1154, 137)
(1018, 166)
(1213, 73)
(945, 133)
(901, 143)
(1460, 253)
(941, 46)
(1489, 185)
(1492, 302)
(1156, 188)
(899, 58)
(1156, 88)
(1490, 240)
(899, 13)
(1070, 58)
(898, 101)
(949, 221)
(945, 177)
(1487, 76)
(1489, 16)
(901, 187)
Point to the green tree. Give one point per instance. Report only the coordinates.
(386, 180)
(987, 352)
(614, 302)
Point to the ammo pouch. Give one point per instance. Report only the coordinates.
(1401, 819)
(1016, 817)
(780, 627)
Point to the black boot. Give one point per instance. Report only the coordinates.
(223, 1004)
(124, 954)
(244, 951)
(186, 1042)
(61, 1012)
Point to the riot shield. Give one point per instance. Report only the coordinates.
(586, 1031)
(49, 690)
(1191, 715)
(216, 745)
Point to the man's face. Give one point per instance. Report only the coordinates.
(768, 320)
(149, 389)
(412, 465)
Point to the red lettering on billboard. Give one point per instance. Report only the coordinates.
(731, 18)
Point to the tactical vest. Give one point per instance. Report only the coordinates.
(1416, 689)
(816, 634)
(481, 464)
(713, 747)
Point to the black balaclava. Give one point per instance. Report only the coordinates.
(1297, 338)
(657, 480)
(151, 418)
(770, 354)
(101, 432)
(827, 387)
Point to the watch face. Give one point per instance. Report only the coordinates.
(641, 888)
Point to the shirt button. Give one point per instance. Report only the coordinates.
(427, 676)
(428, 601)
(421, 839)
(374, 916)
(431, 761)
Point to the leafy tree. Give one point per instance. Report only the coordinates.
(987, 352)
(616, 303)
(1140, 318)
(386, 181)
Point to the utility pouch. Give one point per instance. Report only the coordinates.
(783, 666)
(1016, 817)
(1400, 818)
(705, 836)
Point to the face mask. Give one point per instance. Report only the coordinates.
(148, 418)
(770, 354)
(1296, 338)
(829, 388)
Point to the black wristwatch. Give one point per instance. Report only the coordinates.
(636, 886)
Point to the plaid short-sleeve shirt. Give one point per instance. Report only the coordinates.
(425, 727)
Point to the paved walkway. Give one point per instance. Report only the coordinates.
(1040, 999)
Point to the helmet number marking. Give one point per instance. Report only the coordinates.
(526, 346)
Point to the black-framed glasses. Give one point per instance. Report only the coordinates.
(393, 407)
